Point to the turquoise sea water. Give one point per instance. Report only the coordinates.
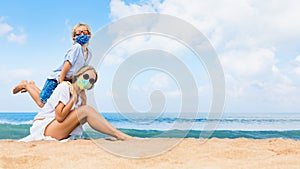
(173, 125)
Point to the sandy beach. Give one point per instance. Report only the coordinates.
(151, 153)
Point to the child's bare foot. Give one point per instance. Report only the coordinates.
(23, 91)
(20, 87)
(30, 83)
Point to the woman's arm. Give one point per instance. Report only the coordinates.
(61, 110)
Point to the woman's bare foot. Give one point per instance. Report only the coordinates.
(123, 137)
(20, 87)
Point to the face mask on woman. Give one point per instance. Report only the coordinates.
(84, 82)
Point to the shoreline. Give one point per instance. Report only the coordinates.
(152, 153)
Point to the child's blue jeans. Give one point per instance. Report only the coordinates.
(48, 89)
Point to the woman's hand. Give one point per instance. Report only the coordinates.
(72, 92)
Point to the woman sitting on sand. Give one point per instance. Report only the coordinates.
(66, 110)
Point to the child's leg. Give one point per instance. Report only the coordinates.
(34, 92)
(47, 91)
(32, 89)
(35, 87)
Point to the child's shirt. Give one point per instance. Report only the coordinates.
(77, 59)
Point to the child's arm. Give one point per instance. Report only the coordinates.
(64, 71)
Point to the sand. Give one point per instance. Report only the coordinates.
(151, 153)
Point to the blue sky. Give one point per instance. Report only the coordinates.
(257, 44)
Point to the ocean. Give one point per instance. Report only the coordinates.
(175, 125)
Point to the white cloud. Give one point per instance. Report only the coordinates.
(297, 59)
(295, 66)
(119, 9)
(15, 75)
(160, 81)
(20, 39)
(113, 60)
(271, 21)
(248, 63)
(297, 71)
(66, 38)
(140, 43)
(20, 73)
(174, 94)
(5, 28)
(282, 17)
(248, 36)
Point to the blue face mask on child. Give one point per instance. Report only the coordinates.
(82, 39)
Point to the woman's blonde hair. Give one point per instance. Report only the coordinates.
(81, 24)
(82, 70)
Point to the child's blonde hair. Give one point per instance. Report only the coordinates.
(81, 24)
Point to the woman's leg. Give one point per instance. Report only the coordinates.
(32, 89)
(83, 113)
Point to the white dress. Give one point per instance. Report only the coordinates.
(60, 94)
